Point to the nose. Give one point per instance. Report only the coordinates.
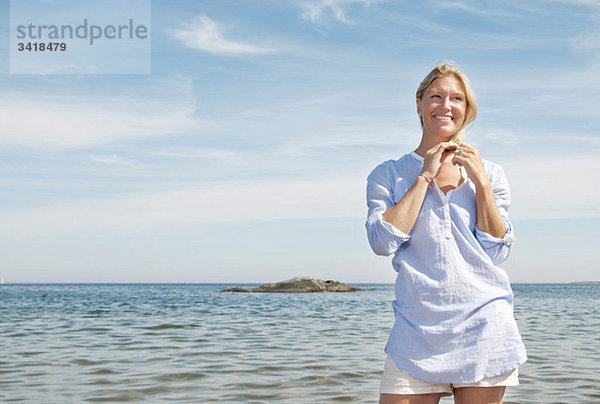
(446, 103)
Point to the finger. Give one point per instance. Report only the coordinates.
(461, 152)
(434, 149)
(449, 145)
(445, 147)
(467, 146)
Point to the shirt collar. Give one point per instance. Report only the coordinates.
(420, 159)
(416, 156)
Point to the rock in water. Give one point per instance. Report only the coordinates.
(237, 289)
(303, 284)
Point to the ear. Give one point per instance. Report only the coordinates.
(419, 107)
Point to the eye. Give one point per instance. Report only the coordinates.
(435, 96)
(458, 98)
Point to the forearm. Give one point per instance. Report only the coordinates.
(489, 219)
(403, 215)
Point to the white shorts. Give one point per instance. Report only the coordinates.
(395, 381)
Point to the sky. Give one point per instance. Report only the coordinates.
(243, 155)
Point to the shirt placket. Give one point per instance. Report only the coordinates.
(447, 222)
(447, 219)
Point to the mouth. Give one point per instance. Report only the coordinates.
(443, 118)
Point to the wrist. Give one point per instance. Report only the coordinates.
(426, 178)
(482, 183)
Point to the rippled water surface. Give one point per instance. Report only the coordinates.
(193, 344)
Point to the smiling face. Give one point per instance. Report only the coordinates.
(442, 107)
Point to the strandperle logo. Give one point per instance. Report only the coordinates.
(90, 32)
(80, 36)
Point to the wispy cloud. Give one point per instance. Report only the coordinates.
(587, 3)
(314, 10)
(495, 42)
(463, 7)
(72, 122)
(206, 35)
(193, 153)
(482, 10)
(262, 201)
(534, 183)
(544, 188)
(113, 159)
(498, 137)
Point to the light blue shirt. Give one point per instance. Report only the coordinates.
(453, 310)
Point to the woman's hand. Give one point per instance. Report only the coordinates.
(434, 157)
(489, 219)
(468, 157)
(403, 215)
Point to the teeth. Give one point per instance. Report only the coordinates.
(443, 118)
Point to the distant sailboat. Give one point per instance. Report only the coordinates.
(1, 281)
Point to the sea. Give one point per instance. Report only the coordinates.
(191, 343)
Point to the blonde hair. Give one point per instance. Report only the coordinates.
(450, 69)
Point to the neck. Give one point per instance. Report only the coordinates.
(428, 141)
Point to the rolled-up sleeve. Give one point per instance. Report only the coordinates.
(383, 237)
(498, 249)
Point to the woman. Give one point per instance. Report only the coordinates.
(442, 212)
